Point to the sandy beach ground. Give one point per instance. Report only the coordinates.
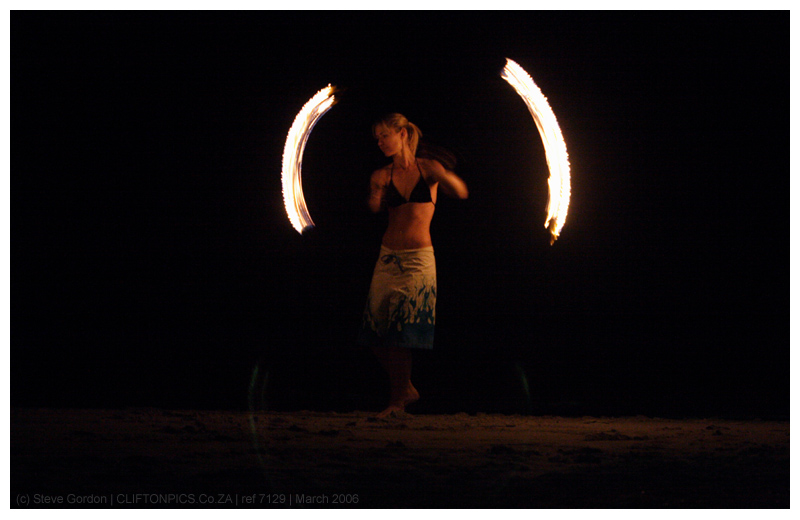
(182, 458)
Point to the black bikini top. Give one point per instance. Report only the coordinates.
(421, 192)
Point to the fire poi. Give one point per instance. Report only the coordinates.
(304, 122)
(554, 147)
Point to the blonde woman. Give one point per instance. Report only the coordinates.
(400, 311)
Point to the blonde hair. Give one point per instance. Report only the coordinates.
(399, 122)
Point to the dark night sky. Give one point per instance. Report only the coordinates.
(153, 263)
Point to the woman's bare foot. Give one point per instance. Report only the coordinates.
(391, 409)
(399, 403)
(412, 396)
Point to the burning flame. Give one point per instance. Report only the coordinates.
(308, 116)
(554, 147)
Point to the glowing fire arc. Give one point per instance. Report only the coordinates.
(296, 140)
(554, 147)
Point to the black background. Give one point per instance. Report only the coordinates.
(153, 263)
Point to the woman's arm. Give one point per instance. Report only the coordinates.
(449, 182)
(377, 190)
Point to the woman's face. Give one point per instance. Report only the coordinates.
(390, 141)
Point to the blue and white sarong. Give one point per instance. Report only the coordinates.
(401, 306)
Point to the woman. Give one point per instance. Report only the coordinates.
(400, 310)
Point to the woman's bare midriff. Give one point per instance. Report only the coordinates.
(409, 226)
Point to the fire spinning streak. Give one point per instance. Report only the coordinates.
(554, 147)
(308, 116)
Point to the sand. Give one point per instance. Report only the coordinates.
(183, 458)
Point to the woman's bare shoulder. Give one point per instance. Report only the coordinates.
(381, 174)
(429, 166)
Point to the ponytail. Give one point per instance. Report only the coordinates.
(414, 133)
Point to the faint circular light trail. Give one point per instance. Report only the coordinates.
(554, 147)
(296, 140)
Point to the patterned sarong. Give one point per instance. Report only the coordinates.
(401, 306)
